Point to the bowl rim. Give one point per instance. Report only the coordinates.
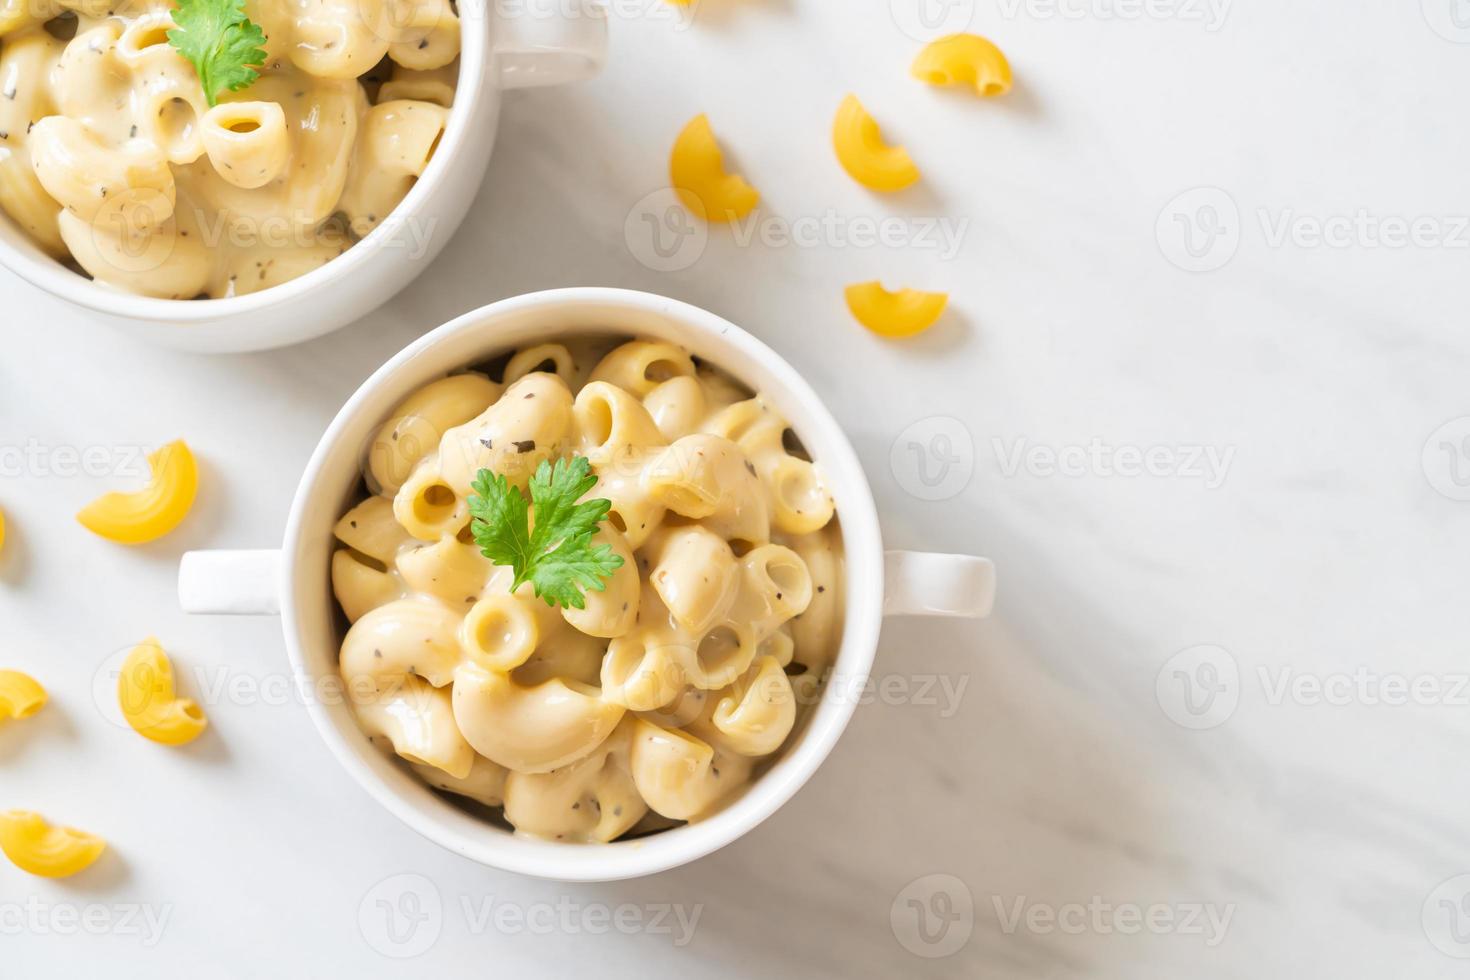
(474, 84)
(466, 834)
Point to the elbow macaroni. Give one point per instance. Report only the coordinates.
(145, 690)
(419, 723)
(679, 681)
(21, 696)
(150, 513)
(964, 59)
(860, 149)
(697, 171)
(897, 314)
(36, 847)
(25, 57)
(111, 156)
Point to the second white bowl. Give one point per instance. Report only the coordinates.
(503, 47)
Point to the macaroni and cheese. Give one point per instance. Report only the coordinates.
(114, 157)
(687, 669)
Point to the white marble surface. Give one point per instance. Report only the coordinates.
(1321, 545)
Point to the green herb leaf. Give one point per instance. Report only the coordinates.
(220, 42)
(556, 556)
(563, 575)
(499, 521)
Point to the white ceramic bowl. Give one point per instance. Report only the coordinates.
(297, 582)
(504, 46)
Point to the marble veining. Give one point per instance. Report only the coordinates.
(1215, 727)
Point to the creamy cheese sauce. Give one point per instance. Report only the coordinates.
(112, 158)
(663, 697)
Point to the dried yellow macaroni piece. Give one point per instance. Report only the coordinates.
(964, 59)
(895, 314)
(145, 689)
(150, 513)
(864, 155)
(2, 529)
(697, 170)
(35, 846)
(20, 695)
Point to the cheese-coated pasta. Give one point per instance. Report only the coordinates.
(681, 776)
(676, 406)
(396, 142)
(530, 729)
(612, 611)
(549, 358)
(709, 479)
(815, 633)
(428, 507)
(25, 60)
(694, 573)
(593, 799)
(642, 365)
(247, 142)
(485, 783)
(435, 85)
(417, 719)
(659, 699)
(420, 421)
(371, 529)
(499, 632)
(754, 715)
(451, 569)
(416, 636)
(531, 422)
(612, 424)
(113, 155)
(635, 511)
(359, 587)
(16, 15)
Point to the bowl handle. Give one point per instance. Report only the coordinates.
(248, 583)
(549, 42)
(231, 583)
(921, 583)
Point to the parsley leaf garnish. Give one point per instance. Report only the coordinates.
(220, 42)
(556, 555)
